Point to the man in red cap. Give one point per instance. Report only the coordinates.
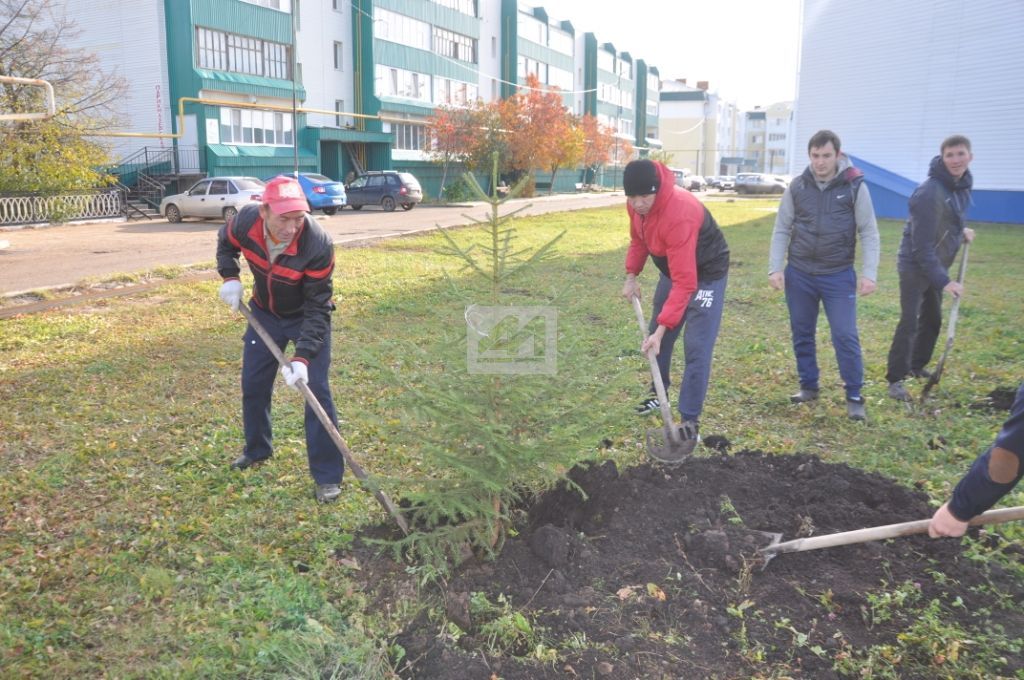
(291, 259)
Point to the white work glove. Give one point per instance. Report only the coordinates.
(231, 293)
(294, 373)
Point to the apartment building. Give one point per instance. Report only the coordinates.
(259, 87)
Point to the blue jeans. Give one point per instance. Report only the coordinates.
(805, 294)
(259, 370)
(699, 326)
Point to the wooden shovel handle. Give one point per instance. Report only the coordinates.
(325, 420)
(671, 431)
(887, 531)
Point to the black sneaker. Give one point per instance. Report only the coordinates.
(649, 405)
(244, 462)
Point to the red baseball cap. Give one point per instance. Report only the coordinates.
(284, 195)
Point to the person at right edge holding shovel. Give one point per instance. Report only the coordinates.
(669, 224)
(931, 239)
(993, 475)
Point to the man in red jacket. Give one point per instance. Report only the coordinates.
(291, 259)
(669, 225)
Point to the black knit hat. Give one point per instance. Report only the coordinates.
(641, 177)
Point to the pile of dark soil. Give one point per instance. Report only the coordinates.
(656, 574)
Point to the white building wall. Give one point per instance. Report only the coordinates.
(129, 39)
(320, 27)
(893, 79)
(490, 51)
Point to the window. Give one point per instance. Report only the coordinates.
(410, 136)
(339, 105)
(454, 92)
(248, 126)
(464, 6)
(401, 29)
(241, 54)
(526, 66)
(218, 187)
(625, 69)
(281, 5)
(454, 45)
(653, 84)
(606, 61)
(397, 82)
(560, 78)
(533, 29)
(339, 56)
(560, 41)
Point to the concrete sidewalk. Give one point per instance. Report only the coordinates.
(62, 256)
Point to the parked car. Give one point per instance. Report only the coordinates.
(386, 188)
(695, 183)
(724, 182)
(759, 183)
(322, 192)
(217, 197)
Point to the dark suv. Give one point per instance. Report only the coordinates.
(386, 188)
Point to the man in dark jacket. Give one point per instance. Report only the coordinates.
(993, 475)
(669, 225)
(931, 238)
(821, 215)
(291, 259)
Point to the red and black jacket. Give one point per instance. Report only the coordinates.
(298, 283)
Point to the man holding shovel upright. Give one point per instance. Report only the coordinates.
(931, 238)
(822, 214)
(292, 259)
(669, 224)
(992, 476)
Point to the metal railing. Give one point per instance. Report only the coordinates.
(37, 209)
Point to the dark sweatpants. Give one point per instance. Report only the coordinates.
(920, 323)
(700, 324)
(259, 370)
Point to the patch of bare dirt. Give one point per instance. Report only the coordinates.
(657, 574)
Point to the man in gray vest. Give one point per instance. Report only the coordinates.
(821, 215)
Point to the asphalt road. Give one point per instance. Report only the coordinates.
(60, 256)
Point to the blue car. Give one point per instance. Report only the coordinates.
(322, 192)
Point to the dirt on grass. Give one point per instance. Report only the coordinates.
(656, 573)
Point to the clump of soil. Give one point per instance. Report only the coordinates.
(656, 574)
(999, 399)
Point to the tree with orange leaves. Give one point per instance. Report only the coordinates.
(449, 131)
(598, 143)
(536, 123)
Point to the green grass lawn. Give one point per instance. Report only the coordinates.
(129, 549)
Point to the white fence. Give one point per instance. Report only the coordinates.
(16, 210)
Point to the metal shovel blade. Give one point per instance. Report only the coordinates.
(665, 449)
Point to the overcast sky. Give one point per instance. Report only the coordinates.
(746, 49)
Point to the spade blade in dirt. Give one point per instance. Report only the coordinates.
(666, 445)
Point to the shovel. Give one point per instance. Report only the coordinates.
(311, 400)
(666, 445)
(875, 533)
(954, 312)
